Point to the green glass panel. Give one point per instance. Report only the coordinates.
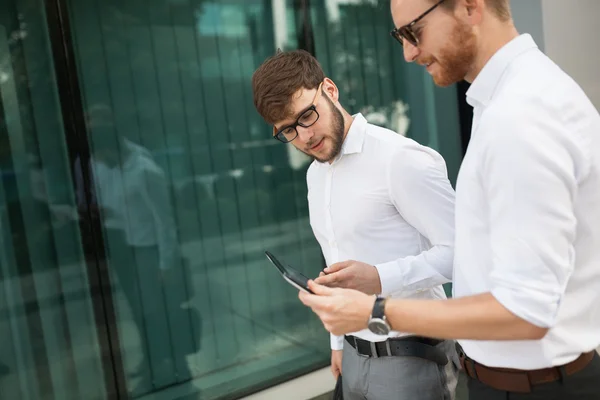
(49, 347)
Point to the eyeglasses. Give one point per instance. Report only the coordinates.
(307, 118)
(407, 33)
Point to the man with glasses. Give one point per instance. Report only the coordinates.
(527, 253)
(382, 209)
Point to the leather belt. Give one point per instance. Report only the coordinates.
(409, 346)
(520, 381)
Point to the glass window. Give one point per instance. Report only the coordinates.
(191, 191)
(49, 344)
(184, 187)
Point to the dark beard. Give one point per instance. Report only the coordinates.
(455, 62)
(337, 133)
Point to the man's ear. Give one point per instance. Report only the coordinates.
(470, 11)
(330, 88)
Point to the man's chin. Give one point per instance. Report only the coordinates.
(326, 153)
(443, 81)
(446, 79)
(322, 158)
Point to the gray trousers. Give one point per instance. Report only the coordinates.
(399, 378)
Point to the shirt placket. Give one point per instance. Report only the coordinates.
(476, 116)
(329, 217)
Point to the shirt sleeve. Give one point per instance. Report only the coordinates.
(529, 173)
(422, 194)
(337, 342)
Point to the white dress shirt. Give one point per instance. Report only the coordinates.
(528, 207)
(135, 198)
(385, 201)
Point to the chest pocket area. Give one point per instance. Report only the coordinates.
(360, 211)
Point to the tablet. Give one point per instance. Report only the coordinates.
(293, 277)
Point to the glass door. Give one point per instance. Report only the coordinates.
(49, 346)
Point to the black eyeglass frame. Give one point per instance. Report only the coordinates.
(278, 134)
(406, 32)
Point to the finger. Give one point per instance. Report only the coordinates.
(320, 290)
(303, 296)
(337, 266)
(310, 300)
(327, 280)
(335, 372)
(321, 273)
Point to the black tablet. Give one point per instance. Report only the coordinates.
(293, 277)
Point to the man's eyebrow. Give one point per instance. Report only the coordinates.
(297, 115)
(304, 110)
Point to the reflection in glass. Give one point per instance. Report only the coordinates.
(132, 200)
(186, 184)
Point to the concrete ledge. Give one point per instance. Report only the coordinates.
(305, 387)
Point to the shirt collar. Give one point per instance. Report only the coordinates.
(356, 135)
(483, 87)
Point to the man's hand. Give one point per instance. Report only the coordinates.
(342, 311)
(351, 275)
(336, 362)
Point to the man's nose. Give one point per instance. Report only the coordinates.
(304, 134)
(410, 51)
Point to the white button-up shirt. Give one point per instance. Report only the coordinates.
(528, 207)
(385, 201)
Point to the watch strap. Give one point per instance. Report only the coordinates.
(379, 308)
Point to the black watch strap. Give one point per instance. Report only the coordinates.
(379, 308)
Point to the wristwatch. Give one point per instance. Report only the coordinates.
(378, 323)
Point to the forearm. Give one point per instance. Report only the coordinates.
(479, 317)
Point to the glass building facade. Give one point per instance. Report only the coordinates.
(139, 190)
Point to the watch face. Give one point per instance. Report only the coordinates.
(379, 326)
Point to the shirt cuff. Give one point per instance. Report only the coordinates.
(337, 342)
(390, 277)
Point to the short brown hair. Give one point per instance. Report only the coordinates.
(500, 8)
(279, 77)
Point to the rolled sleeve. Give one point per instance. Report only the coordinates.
(422, 194)
(530, 175)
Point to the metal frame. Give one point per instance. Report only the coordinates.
(78, 144)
